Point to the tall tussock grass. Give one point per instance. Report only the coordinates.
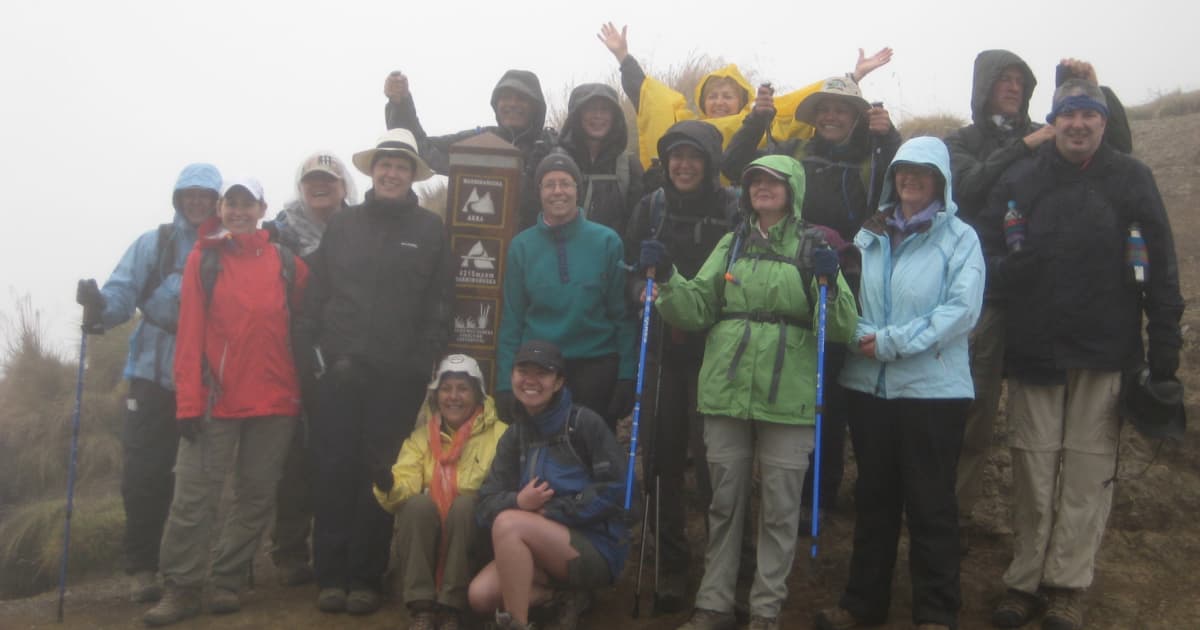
(1165, 105)
(37, 401)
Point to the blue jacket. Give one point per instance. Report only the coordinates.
(152, 345)
(920, 299)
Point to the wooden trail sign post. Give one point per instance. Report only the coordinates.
(481, 217)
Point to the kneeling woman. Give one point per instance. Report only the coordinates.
(553, 498)
(432, 488)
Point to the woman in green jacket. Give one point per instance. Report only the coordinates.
(756, 295)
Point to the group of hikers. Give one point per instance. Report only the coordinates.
(297, 354)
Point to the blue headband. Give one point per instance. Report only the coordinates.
(1072, 103)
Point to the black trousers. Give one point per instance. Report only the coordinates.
(293, 503)
(363, 414)
(833, 433)
(149, 440)
(592, 381)
(907, 454)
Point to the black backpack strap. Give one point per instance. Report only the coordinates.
(164, 261)
(658, 212)
(210, 268)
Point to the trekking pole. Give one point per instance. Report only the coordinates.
(633, 436)
(822, 297)
(62, 566)
(875, 151)
(662, 341)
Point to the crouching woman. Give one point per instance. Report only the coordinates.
(432, 489)
(553, 499)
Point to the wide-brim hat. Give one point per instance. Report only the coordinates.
(841, 87)
(399, 141)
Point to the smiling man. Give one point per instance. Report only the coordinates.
(379, 310)
(520, 110)
(1073, 326)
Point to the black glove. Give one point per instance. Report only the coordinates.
(623, 396)
(1017, 267)
(825, 264)
(654, 254)
(190, 428)
(383, 479)
(88, 295)
(1164, 363)
(506, 403)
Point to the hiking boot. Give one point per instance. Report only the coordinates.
(1016, 609)
(294, 574)
(362, 601)
(223, 601)
(837, 619)
(671, 593)
(505, 620)
(331, 600)
(702, 619)
(447, 619)
(569, 606)
(763, 623)
(424, 620)
(1065, 610)
(177, 604)
(145, 588)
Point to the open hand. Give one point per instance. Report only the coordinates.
(866, 65)
(534, 495)
(614, 40)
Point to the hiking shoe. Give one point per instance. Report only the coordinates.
(1065, 610)
(362, 601)
(223, 601)
(505, 620)
(702, 619)
(145, 588)
(294, 574)
(837, 619)
(763, 623)
(569, 606)
(424, 620)
(177, 604)
(1016, 609)
(331, 600)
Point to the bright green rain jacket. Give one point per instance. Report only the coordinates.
(771, 291)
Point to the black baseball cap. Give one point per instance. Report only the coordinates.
(540, 353)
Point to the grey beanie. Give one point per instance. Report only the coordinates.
(558, 161)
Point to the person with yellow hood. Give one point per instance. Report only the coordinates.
(723, 97)
(432, 487)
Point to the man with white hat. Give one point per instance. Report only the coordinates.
(377, 317)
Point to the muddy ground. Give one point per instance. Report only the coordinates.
(1147, 575)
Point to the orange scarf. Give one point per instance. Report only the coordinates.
(443, 487)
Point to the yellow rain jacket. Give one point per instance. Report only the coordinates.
(659, 107)
(413, 469)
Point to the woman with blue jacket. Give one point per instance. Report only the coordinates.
(909, 383)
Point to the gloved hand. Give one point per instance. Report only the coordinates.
(654, 254)
(624, 395)
(1164, 363)
(382, 478)
(190, 428)
(1017, 267)
(825, 264)
(88, 295)
(506, 403)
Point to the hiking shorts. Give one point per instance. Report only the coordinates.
(587, 571)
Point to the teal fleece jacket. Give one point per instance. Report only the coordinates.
(565, 284)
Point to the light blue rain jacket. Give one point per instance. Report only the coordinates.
(152, 345)
(920, 299)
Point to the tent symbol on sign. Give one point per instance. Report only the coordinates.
(479, 258)
(479, 205)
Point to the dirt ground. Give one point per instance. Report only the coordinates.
(1146, 576)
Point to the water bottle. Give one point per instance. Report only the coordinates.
(1135, 254)
(1014, 227)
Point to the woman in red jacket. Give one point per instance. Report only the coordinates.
(237, 401)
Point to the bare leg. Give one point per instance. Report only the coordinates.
(529, 549)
